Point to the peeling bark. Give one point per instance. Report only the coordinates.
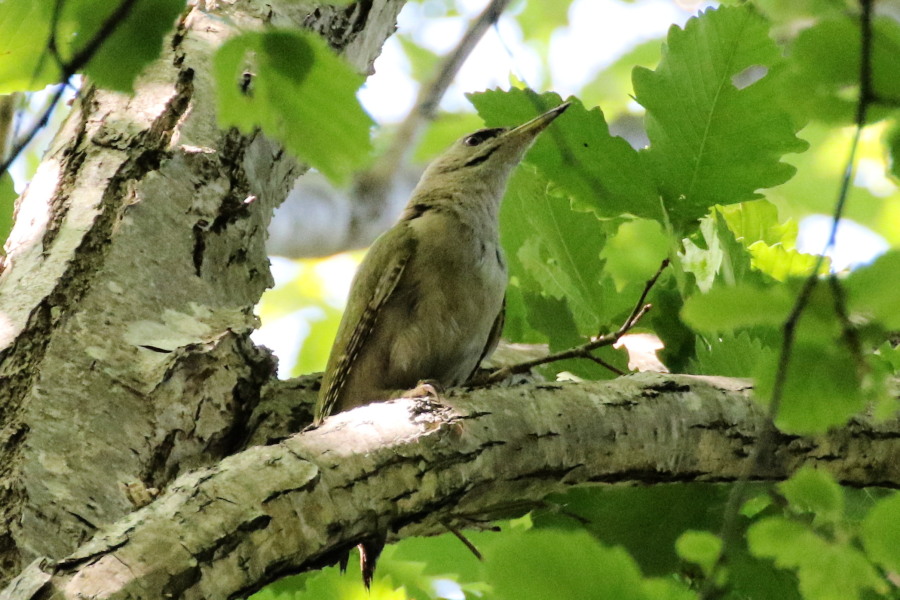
(127, 295)
(405, 467)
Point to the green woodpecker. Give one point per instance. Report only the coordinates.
(427, 300)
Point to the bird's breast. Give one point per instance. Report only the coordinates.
(457, 283)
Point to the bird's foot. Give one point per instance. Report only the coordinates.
(427, 389)
(430, 407)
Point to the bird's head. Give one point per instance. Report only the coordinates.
(489, 155)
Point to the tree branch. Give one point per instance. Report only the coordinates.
(584, 350)
(406, 467)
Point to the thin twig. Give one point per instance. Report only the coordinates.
(584, 350)
(466, 541)
(768, 435)
(603, 363)
(849, 333)
(75, 64)
(429, 98)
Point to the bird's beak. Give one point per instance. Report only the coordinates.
(516, 142)
(527, 132)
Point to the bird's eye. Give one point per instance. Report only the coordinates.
(481, 136)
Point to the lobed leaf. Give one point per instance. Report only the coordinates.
(600, 172)
(714, 137)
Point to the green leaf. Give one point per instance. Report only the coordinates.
(634, 253)
(892, 142)
(611, 88)
(7, 202)
(712, 143)
(24, 31)
(553, 318)
(313, 355)
(442, 132)
(881, 533)
(780, 263)
(826, 571)
(716, 256)
(822, 388)
(539, 20)
(301, 94)
(813, 491)
(630, 516)
(667, 589)
(699, 547)
(601, 172)
(730, 354)
(756, 505)
(729, 308)
(422, 61)
(870, 294)
(757, 221)
(546, 565)
(825, 68)
(135, 42)
(554, 250)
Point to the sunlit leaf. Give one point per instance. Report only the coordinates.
(730, 308)
(822, 387)
(781, 263)
(827, 571)
(7, 199)
(298, 91)
(715, 139)
(700, 547)
(24, 29)
(869, 292)
(881, 533)
(546, 565)
(757, 221)
(634, 253)
(813, 491)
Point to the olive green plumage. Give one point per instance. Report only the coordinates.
(427, 300)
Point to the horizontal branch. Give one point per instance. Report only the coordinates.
(408, 467)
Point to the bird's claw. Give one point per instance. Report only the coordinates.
(427, 388)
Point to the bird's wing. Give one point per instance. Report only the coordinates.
(373, 285)
(493, 337)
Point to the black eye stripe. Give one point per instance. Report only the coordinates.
(481, 158)
(482, 135)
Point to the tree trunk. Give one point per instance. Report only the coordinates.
(128, 291)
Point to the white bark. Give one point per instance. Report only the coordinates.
(405, 467)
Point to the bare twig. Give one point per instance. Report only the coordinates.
(69, 68)
(603, 363)
(376, 180)
(430, 95)
(767, 438)
(584, 350)
(466, 541)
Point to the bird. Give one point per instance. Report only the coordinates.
(426, 305)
